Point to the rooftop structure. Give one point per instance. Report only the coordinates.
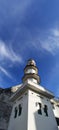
(32, 108)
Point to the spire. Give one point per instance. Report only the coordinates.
(31, 72)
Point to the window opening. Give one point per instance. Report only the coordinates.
(20, 109)
(46, 110)
(52, 105)
(40, 111)
(15, 112)
(57, 120)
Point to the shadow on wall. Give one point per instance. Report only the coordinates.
(44, 117)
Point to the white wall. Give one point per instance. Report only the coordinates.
(37, 121)
(56, 111)
(31, 71)
(30, 119)
(20, 122)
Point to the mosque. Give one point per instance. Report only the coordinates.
(34, 107)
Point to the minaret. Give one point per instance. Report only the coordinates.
(31, 72)
(32, 109)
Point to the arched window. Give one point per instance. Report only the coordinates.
(40, 111)
(20, 109)
(15, 114)
(46, 110)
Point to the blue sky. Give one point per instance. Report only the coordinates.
(29, 29)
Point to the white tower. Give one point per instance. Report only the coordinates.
(32, 109)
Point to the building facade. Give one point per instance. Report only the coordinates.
(33, 104)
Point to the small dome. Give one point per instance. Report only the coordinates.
(31, 62)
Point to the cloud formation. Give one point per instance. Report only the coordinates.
(6, 52)
(29, 29)
(5, 72)
(49, 42)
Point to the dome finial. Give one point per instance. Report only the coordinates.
(31, 62)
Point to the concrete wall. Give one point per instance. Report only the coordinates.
(56, 111)
(29, 118)
(37, 121)
(20, 122)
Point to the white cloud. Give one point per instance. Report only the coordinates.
(4, 71)
(55, 32)
(49, 42)
(7, 52)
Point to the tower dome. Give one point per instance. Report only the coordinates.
(31, 72)
(31, 62)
